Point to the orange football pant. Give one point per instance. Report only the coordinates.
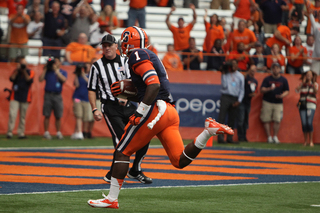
(166, 129)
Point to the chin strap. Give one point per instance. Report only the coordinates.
(162, 106)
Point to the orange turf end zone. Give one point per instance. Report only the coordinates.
(233, 164)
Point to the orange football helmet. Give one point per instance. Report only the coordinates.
(133, 38)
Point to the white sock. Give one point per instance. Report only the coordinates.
(115, 187)
(202, 139)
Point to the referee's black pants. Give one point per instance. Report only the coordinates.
(117, 117)
(226, 108)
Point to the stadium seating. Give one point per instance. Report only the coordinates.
(155, 24)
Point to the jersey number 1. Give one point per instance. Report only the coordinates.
(137, 56)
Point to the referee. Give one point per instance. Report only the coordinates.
(116, 112)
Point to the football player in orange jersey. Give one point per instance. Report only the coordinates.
(155, 116)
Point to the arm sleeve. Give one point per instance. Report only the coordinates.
(264, 84)
(31, 75)
(29, 28)
(65, 74)
(286, 85)
(313, 21)
(147, 72)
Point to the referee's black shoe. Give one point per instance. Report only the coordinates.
(140, 177)
(107, 178)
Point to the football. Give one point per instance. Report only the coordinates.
(127, 88)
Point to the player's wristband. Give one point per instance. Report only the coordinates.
(95, 109)
(143, 109)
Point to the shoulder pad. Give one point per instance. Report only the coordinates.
(138, 55)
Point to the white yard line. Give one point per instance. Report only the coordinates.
(124, 188)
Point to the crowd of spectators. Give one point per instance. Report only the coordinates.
(264, 39)
(272, 34)
(59, 23)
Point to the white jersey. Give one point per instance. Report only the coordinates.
(33, 26)
(309, 53)
(96, 37)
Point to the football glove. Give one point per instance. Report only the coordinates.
(115, 88)
(141, 112)
(135, 118)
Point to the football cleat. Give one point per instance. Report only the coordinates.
(215, 128)
(104, 203)
(140, 177)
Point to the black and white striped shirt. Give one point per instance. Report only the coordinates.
(105, 72)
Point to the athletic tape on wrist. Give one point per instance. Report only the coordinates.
(143, 109)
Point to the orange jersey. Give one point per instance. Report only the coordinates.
(316, 15)
(227, 46)
(172, 62)
(162, 3)
(3, 3)
(293, 23)
(12, 6)
(81, 52)
(255, 15)
(243, 10)
(19, 33)
(181, 36)
(273, 59)
(247, 37)
(297, 62)
(242, 64)
(285, 32)
(290, 5)
(213, 32)
(107, 19)
(138, 4)
(299, 1)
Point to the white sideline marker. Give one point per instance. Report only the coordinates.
(314, 205)
(123, 188)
